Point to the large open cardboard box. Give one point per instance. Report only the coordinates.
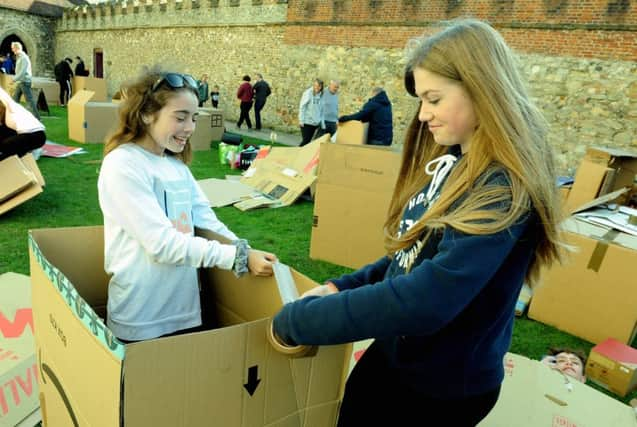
(90, 121)
(601, 171)
(354, 187)
(94, 84)
(20, 180)
(227, 376)
(18, 367)
(533, 395)
(282, 176)
(593, 295)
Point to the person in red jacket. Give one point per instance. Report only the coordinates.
(244, 93)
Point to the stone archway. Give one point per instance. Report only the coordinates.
(11, 34)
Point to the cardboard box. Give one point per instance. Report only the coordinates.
(613, 365)
(90, 121)
(93, 84)
(602, 171)
(49, 87)
(282, 176)
(7, 83)
(18, 366)
(352, 132)
(202, 136)
(354, 187)
(229, 375)
(216, 121)
(592, 296)
(534, 395)
(20, 180)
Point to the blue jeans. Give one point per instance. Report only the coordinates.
(25, 88)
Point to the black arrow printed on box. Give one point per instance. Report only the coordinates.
(253, 379)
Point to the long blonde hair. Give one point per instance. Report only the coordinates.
(139, 101)
(511, 136)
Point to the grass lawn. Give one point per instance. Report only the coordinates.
(70, 199)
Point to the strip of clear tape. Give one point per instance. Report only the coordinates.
(287, 287)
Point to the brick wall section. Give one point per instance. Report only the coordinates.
(587, 29)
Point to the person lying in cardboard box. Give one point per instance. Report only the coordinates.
(568, 361)
(20, 131)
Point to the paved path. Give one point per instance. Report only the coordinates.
(264, 134)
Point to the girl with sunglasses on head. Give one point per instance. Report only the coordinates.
(474, 215)
(151, 205)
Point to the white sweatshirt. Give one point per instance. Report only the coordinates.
(17, 117)
(151, 205)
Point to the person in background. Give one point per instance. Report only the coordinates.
(20, 131)
(80, 68)
(7, 64)
(63, 75)
(376, 112)
(244, 94)
(330, 108)
(474, 215)
(22, 78)
(214, 96)
(202, 89)
(151, 205)
(568, 361)
(311, 111)
(261, 92)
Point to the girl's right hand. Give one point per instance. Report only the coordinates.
(260, 262)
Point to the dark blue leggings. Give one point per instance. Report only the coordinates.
(375, 397)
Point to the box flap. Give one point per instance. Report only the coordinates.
(14, 177)
(79, 359)
(352, 132)
(14, 171)
(534, 395)
(224, 192)
(607, 198)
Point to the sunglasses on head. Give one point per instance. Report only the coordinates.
(175, 81)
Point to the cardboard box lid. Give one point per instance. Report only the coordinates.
(617, 351)
(26, 193)
(14, 177)
(534, 395)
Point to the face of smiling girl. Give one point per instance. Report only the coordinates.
(446, 108)
(171, 126)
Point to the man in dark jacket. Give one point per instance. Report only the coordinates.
(377, 112)
(261, 92)
(63, 75)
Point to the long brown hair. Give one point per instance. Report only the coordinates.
(511, 136)
(139, 101)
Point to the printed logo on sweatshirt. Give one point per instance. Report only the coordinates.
(179, 209)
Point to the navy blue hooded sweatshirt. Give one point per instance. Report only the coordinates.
(444, 325)
(376, 111)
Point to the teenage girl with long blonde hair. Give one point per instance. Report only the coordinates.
(472, 217)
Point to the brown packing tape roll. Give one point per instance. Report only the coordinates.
(295, 351)
(595, 262)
